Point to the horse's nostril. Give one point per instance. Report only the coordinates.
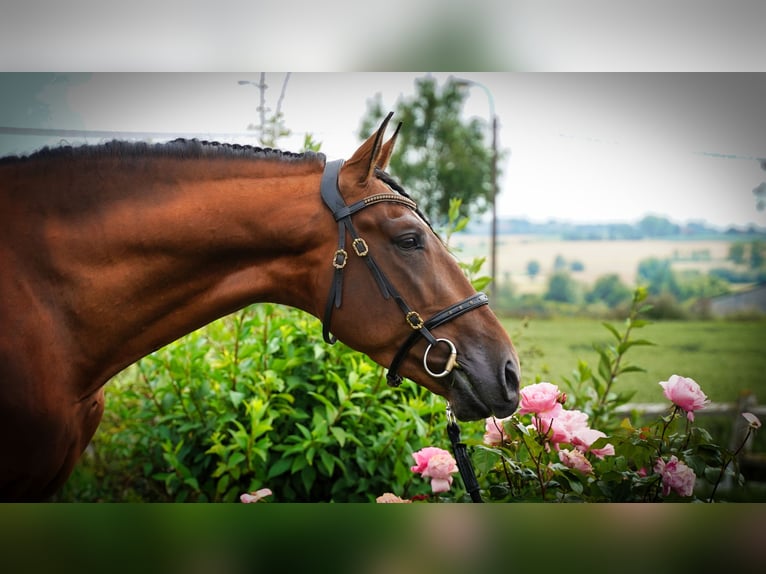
(512, 380)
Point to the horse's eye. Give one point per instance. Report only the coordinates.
(408, 242)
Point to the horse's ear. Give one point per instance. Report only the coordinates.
(387, 150)
(362, 164)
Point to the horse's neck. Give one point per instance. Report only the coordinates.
(186, 251)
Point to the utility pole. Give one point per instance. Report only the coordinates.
(493, 176)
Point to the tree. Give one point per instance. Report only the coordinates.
(658, 276)
(737, 252)
(654, 226)
(270, 127)
(611, 290)
(562, 288)
(439, 155)
(533, 268)
(756, 254)
(577, 265)
(559, 264)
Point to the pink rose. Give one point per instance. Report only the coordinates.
(576, 460)
(495, 434)
(685, 393)
(440, 469)
(541, 399)
(423, 456)
(390, 498)
(250, 497)
(675, 476)
(583, 438)
(436, 464)
(563, 427)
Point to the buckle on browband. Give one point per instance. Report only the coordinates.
(360, 247)
(340, 259)
(414, 320)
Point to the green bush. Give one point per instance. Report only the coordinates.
(256, 400)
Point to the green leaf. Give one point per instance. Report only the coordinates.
(327, 461)
(278, 468)
(613, 330)
(304, 431)
(310, 452)
(461, 225)
(630, 369)
(605, 367)
(236, 459)
(192, 482)
(339, 434)
(633, 343)
(481, 282)
(222, 484)
(308, 477)
(236, 398)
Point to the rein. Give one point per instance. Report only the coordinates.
(342, 213)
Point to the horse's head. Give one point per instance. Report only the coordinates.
(399, 296)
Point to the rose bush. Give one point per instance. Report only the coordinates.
(571, 446)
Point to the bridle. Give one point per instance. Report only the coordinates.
(343, 213)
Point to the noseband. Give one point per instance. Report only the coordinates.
(342, 213)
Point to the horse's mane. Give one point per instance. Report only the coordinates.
(178, 148)
(187, 149)
(396, 186)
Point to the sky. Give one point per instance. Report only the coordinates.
(582, 147)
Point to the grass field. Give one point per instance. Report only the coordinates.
(725, 358)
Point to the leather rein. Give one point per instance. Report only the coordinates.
(420, 328)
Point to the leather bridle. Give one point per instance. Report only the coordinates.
(342, 214)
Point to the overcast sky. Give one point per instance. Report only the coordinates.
(579, 147)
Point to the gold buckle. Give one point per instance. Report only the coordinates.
(340, 259)
(360, 247)
(414, 320)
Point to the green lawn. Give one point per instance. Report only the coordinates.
(725, 358)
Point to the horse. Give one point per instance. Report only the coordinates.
(110, 251)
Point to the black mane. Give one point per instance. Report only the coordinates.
(396, 186)
(178, 148)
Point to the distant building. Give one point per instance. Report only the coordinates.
(752, 301)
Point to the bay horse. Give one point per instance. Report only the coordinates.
(111, 251)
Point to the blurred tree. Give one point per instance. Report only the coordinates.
(737, 252)
(559, 263)
(653, 226)
(562, 288)
(439, 155)
(271, 127)
(658, 276)
(577, 265)
(611, 290)
(533, 268)
(756, 254)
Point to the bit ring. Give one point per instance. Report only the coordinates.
(451, 362)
